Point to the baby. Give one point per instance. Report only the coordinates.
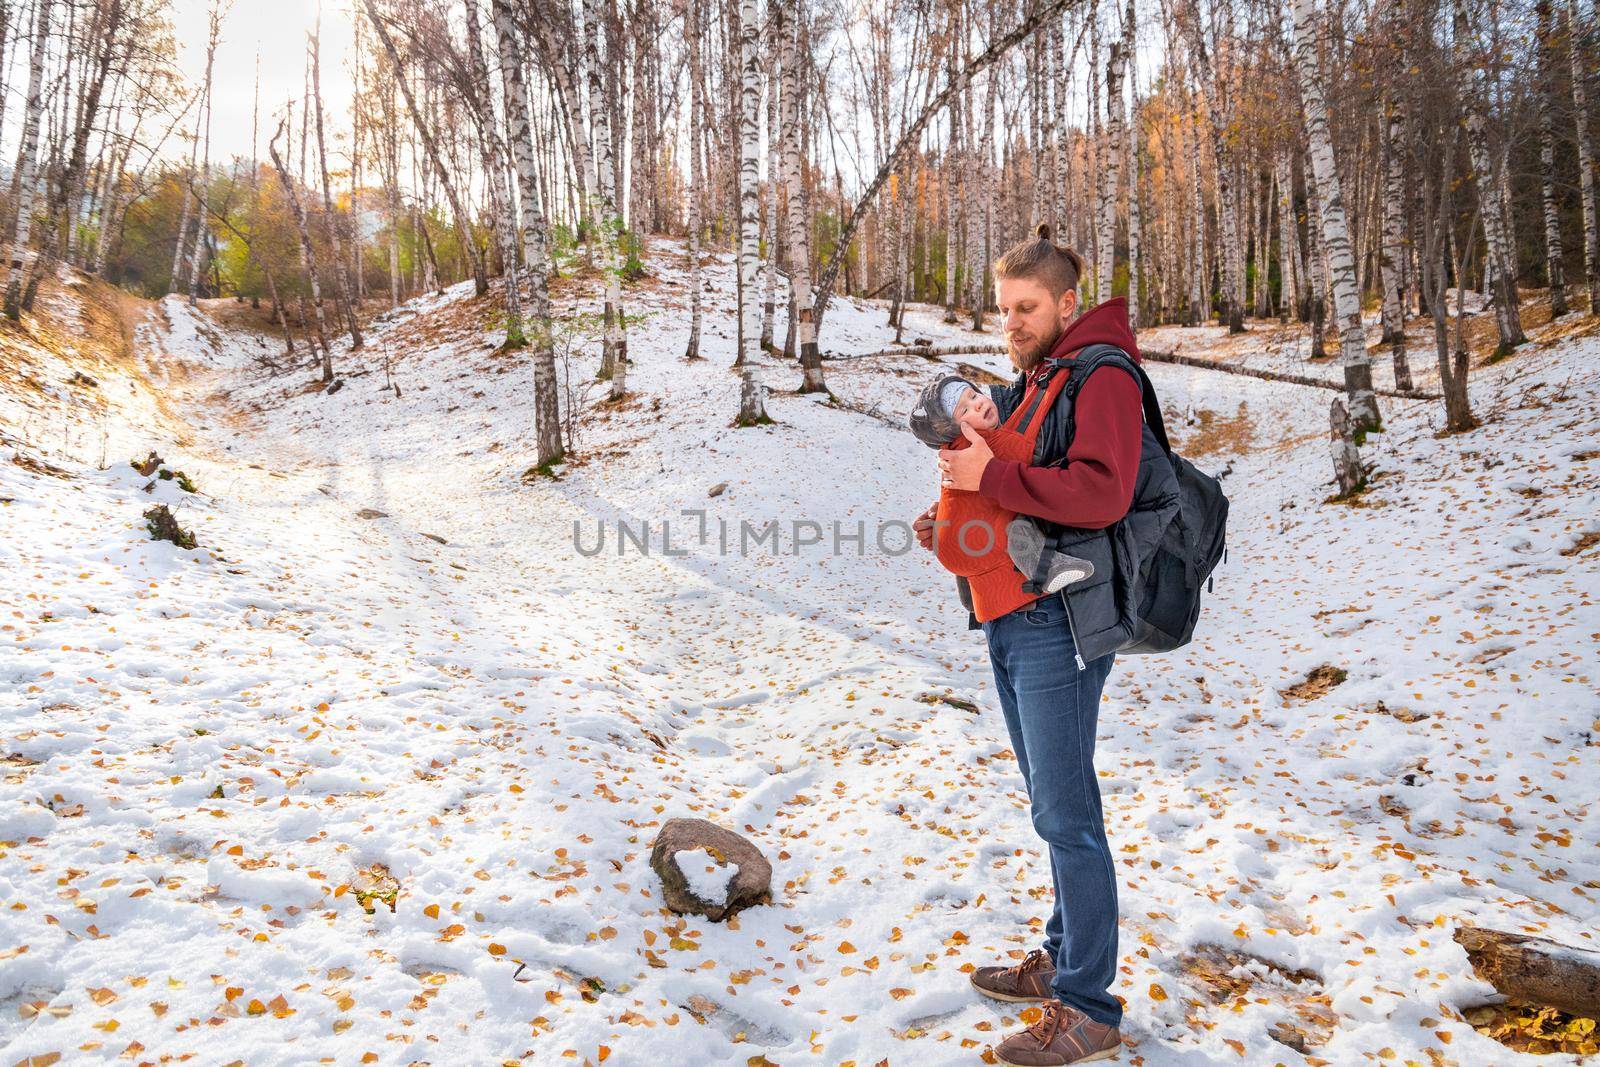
(944, 407)
(947, 403)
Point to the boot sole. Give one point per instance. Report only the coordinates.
(1009, 998)
(1104, 1054)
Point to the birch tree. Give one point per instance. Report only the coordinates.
(1309, 32)
(1585, 140)
(340, 272)
(614, 348)
(801, 299)
(1546, 89)
(752, 399)
(1500, 256)
(1392, 256)
(696, 180)
(535, 243)
(1109, 172)
(307, 248)
(28, 168)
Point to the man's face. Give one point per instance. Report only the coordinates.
(1031, 319)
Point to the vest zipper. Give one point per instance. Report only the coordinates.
(1072, 628)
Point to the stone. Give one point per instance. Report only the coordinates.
(752, 885)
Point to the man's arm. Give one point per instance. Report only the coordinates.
(1095, 488)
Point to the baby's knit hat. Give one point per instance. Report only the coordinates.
(932, 419)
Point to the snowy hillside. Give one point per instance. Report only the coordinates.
(372, 774)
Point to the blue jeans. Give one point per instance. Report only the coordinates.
(1051, 709)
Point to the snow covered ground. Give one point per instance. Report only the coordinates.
(393, 674)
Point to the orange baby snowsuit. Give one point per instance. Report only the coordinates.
(970, 529)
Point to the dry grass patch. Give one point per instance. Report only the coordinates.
(1321, 681)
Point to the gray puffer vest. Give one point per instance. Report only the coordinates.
(1101, 609)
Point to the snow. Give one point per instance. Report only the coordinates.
(708, 876)
(204, 756)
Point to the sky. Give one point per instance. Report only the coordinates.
(277, 30)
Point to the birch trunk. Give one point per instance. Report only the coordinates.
(341, 272)
(27, 171)
(953, 201)
(1500, 258)
(696, 181)
(546, 395)
(614, 349)
(424, 133)
(769, 264)
(1309, 32)
(1393, 252)
(1218, 114)
(803, 298)
(985, 223)
(308, 250)
(1547, 165)
(1580, 109)
(752, 402)
(1109, 173)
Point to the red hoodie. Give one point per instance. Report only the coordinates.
(1095, 487)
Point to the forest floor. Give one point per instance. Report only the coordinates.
(373, 773)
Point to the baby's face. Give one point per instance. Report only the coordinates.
(976, 410)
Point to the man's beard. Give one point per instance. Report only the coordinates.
(1030, 357)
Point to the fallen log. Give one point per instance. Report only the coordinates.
(1535, 971)
(925, 351)
(937, 351)
(1274, 376)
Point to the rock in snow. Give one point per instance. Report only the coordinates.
(698, 839)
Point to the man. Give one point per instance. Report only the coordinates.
(1051, 656)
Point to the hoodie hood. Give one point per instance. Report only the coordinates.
(1104, 324)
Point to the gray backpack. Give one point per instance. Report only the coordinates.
(1165, 581)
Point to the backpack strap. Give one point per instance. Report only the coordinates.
(1092, 359)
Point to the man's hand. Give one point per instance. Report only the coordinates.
(923, 526)
(963, 468)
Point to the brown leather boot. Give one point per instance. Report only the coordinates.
(1026, 981)
(1063, 1035)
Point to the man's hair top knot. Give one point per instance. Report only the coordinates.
(1043, 230)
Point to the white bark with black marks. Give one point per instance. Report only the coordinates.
(1309, 39)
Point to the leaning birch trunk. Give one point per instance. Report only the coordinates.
(1547, 164)
(1308, 40)
(341, 268)
(614, 348)
(1500, 258)
(696, 180)
(27, 172)
(1347, 471)
(480, 280)
(1110, 173)
(307, 249)
(546, 394)
(1580, 109)
(752, 402)
(1392, 256)
(912, 135)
